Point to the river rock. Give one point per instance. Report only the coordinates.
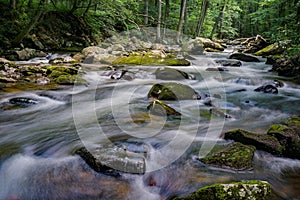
(192, 47)
(272, 49)
(27, 53)
(208, 44)
(23, 101)
(167, 73)
(270, 87)
(154, 57)
(243, 57)
(288, 66)
(172, 91)
(236, 156)
(112, 158)
(255, 44)
(229, 63)
(160, 108)
(264, 142)
(251, 189)
(288, 134)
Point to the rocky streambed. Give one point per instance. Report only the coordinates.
(152, 122)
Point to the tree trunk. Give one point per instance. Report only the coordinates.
(31, 25)
(158, 32)
(185, 21)
(181, 19)
(13, 4)
(146, 19)
(167, 13)
(204, 8)
(219, 18)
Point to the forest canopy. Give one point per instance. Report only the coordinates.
(97, 19)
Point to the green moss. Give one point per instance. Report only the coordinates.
(63, 69)
(172, 91)
(150, 59)
(260, 141)
(277, 127)
(294, 120)
(162, 109)
(252, 189)
(269, 50)
(70, 80)
(236, 156)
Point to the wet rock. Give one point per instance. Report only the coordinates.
(26, 54)
(43, 81)
(260, 141)
(243, 57)
(4, 79)
(236, 156)
(167, 73)
(251, 189)
(288, 66)
(229, 63)
(288, 134)
(23, 101)
(273, 49)
(155, 58)
(160, 108)
(193, 47)
(270, 87)
(172, 91)
(219, 113)
(216, 69)
(109, 159)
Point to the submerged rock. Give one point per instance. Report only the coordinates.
(251, 189)
(23, 101)
(172, 91)
(157, 107)
(244, 57)
(264, 142)
(112, 159)
(167, 73)
(270, 87)
(229, 63)
(236, 156)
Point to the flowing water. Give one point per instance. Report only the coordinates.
(38, 138)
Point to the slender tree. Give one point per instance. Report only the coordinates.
(181, 20)
(204, 8)
(158, 30)
(146, 18)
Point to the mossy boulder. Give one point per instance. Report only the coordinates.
(65, 75)
(251, 189)
(264, 142)
(244, 57)
(172, 91)
(160, 108)
(167, 73)
(288, 134)
(235, 156)
(273, 49)
(151, 58)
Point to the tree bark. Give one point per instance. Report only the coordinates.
(181, 19)
(204, 8)
(13, 4)
(158, 30)
(146, 19)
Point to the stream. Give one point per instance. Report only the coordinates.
(38, 140)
